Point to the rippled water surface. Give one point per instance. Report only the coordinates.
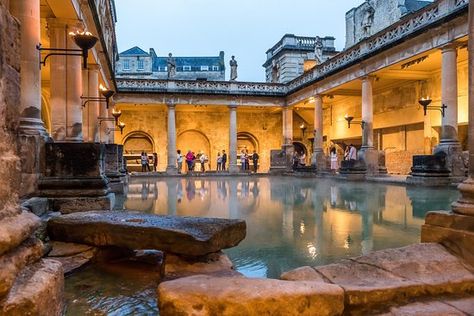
(290, 223)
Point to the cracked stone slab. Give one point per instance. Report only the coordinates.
(303, 274)
(424, 308)
(367, 285)
(224, 296)
(186, 236)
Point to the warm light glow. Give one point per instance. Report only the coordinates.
(311, 100)
(302, 126)
(313, 252)
(346, 116)
(116, 113)
(302, 228)
(121, 124)
(80, 33)
(102, 88)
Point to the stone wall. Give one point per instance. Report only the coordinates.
(204, 129)
(28, 284)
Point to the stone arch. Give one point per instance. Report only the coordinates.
(300, 147)
(248, 141)
(137, 141)
(193, 140)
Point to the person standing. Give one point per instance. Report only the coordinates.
(179, 160)
(247, 160)
(242, 160)
(219, 161)
(202, 160)
(189, 160)
(155, 161)
(255, 158)
(334, 162)
(144, 161)
(224, 160)
(352, 153)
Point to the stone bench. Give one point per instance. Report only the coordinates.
(183, 236)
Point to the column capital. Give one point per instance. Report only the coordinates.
(368, 77)
(171, 105)
(93, 67)
(450, 47)
(62, 22)
(232, 106)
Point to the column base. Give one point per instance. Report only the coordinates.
(234, 168)
(454, 157)
(465, 204)
(172, 170)
(67, 205)
(370, 158)
(319, 160)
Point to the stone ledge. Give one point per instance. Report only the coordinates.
(68, 205)
(449, 219)
(205, 295)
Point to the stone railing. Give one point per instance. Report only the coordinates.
(207, 87)
(410, 25)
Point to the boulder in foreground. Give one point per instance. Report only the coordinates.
(225, 296)
(185, 236)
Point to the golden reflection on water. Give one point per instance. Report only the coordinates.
(293, 222)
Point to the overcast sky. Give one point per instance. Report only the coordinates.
(244, 28)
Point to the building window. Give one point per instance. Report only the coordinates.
(186, 68)
(204, 68)
(141, 64)
(215, 68)
(126, 64)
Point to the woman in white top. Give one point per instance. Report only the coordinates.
(179, 160)
(219, 161)
(202, 159)
(334, 162)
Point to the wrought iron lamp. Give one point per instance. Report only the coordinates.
(105, 92)
(425, 103)
(85, 41)
(120, 125)
(116, 114)
(303, 128)
(350, 120)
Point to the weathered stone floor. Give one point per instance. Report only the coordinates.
(413, 280)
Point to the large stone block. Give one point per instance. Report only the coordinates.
(204, 295)
(14, 261)
(14, 230)
(186, 236)
(38, 290)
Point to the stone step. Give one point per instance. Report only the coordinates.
(462, 306)
(38, 290)
(225, 296)
(185, 236)
(394, 275)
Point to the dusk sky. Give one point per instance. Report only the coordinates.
(244, 28)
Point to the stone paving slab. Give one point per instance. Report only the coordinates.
(224, 296)
(186, 236)
(394, 275)
(424, 309)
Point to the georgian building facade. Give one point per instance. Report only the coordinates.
(379, 80)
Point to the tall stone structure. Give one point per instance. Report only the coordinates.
(373, 16)
(28, 284)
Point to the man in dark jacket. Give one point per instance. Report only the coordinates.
(255, 158)
(224, 160)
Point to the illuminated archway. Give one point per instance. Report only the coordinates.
(193, 140)
(136, 142)
(247, 141)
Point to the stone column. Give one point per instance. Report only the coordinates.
(92, 108)
(465, 204)
(427, 134)
(73, 94)
(103, 134)
(28, 13)
(58, 34)
(287, 146)
(449, 143)
(110, 125)
(367, 153)
(233, 167)
(171, 167)
(318, 160)
(367, 113)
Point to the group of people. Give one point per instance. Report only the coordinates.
(245, 160)
(299, 159)
(350, 154)
(146, 161)
(191, 160)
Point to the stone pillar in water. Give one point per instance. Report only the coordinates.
(318, 160)
(171, 167)
(288, 147)
(449, 143)
(367, 153)
(233, 167)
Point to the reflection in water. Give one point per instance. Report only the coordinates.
(294, 222)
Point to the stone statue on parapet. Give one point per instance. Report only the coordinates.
(171, 66)
(233, 69)
(318, 50)
(368, 18)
